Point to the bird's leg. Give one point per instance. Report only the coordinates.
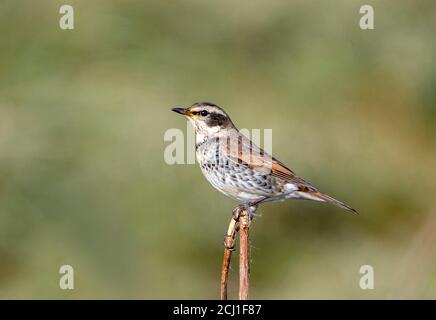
(229, 237)
(255, 203)
(252, 207)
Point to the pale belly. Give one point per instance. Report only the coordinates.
(233, 179)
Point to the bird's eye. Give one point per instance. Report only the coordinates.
(204, 113)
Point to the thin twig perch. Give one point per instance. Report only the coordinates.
(244, 254)
(241, 220)
(229, 245)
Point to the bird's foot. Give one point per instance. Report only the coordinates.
(236, 213)
(251, 209)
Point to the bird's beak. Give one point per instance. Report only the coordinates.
(181, 111)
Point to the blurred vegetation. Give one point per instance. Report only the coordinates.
(82, 118)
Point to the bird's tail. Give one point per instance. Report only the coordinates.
(325, 198)
(331, 200)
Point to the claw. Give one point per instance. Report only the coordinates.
(237, 212)
(251, 209)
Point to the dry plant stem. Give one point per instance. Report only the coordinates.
(229, 243)
(244, 254)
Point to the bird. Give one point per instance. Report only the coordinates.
(240, 169)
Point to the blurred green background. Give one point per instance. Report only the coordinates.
(83, 179)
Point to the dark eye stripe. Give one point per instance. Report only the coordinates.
(217, 119)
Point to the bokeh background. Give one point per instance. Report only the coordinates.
(82, 174)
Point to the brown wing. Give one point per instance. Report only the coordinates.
(243, 151)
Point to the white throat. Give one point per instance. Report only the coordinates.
(202, 133)
(200, 138)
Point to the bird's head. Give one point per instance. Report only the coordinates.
(207, 118)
